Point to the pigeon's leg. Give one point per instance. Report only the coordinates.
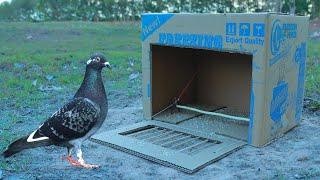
(71, 160)
(81, 160)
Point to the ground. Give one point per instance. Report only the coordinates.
(41, 66)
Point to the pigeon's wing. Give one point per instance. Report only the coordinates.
(72, 121)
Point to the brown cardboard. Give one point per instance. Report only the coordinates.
(251, 66)
(219, 75)
(180, 160)
(265, 46)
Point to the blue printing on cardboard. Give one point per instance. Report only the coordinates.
(279, 102)
(276, 37)
(245, 36)
(280, 55)
(280, 33)
(300, 59)
(152, 22)
(245, 29)
(231, 29)
(251, 115)
(191, 40)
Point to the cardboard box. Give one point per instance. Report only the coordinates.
(234, 76)
(270, 48)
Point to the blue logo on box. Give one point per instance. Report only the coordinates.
(279, 102)
(244, 29)
(258, 29)
(231, 29)
(280, 45)
(152, 22)
(276, 37)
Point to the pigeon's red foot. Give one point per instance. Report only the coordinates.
(73, 162)
(76, 163)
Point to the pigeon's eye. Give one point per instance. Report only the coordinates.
(97, 59)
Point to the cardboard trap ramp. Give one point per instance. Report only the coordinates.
(169, 144)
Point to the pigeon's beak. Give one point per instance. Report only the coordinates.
(107, 64)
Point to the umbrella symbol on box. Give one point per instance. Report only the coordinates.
(244, 29)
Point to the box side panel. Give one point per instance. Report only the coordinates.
(146, 80)
(150, 23)
(146, 91)
(172, 68)
(285, 75)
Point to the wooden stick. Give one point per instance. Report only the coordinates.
(213, 113)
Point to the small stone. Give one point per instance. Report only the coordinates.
(29, 37)
(297, 176)
(19, 65)
(97, 176)
(133, 76)
(28, 111)
(49, 77)
(50, 88)
(260, 153)
(303, 158)
(56, 88)
(131, 63)
(34, 82)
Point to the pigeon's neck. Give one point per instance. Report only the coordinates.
(92, 86)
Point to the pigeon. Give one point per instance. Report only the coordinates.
(74, 122)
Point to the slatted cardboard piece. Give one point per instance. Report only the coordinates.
(213, 83)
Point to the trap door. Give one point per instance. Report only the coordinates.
(169, 144)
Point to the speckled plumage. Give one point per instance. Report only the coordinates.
(73, 120)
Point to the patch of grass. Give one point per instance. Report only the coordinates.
(313, 68)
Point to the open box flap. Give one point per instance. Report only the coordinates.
(169, 144)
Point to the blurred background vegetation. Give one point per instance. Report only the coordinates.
(125, 10)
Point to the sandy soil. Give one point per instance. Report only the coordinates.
(294, 156)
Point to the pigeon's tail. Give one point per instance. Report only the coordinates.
(22, 144)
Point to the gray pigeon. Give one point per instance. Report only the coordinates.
(76, 121)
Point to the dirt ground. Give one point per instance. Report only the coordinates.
(294, 156)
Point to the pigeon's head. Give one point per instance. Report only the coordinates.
(98, 61)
